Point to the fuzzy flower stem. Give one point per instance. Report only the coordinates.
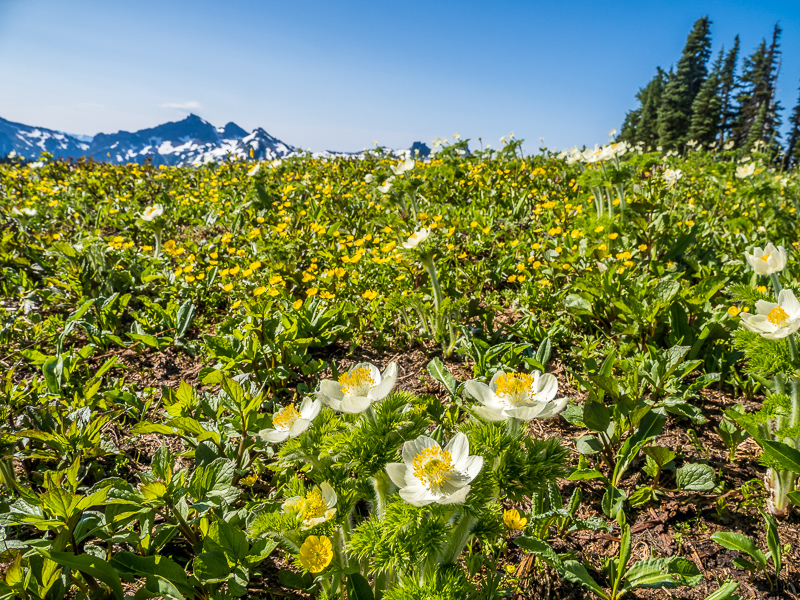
(157, 243)
(427, 262)
(776, 285)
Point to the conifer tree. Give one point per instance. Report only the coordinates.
(727, 92)
(641, 124)
(792, 156)
(759, 113)
(707, 107)
(675, 111)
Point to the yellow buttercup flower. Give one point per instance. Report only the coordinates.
(513, 520)
(316, 553)
(733, 311)
(297, 304)
(259, 290)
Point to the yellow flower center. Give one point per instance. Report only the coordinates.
(433, 466)
(357, 382)
(778, 317)
(765, 257)
(514, 389)
(313, 507)
(285, 418)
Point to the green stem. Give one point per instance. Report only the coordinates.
(458, 539)
(430, 267)
(776, 284)
(157, 246)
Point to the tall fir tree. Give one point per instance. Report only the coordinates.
(675, 111)
(728, 85)
(707, 107)
(759, 113)
(792, 154)
(641, 124)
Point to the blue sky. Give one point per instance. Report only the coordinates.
(339, 75)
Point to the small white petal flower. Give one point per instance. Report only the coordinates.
(384, 189)
(429, 474)
(416, 238)
(357, 389)
(318, 505)
(152, 212)
(671, 176)
(767, 261)
(745, 170)
(288, 422)
(774, 321)
(253, 170)
(369, 178)
(517, 395)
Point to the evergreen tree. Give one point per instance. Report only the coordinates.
(727, 90)
(641, 124)
(792, 156)
(675, 111)
(759, 113)
(707, 107)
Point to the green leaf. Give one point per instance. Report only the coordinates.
(211, 567)
(439, 372)
(577, 573)
(660, 455)
(613, 501)
(53, 369)
(184, 318)
(541, 550)
(358, 588)
(773, 540)
(662, 573)
(596, 416)
(588, 445)
(224, 536)
(624, 555)
(785, 456)
(578, 304)
(737, 541)
(584, 474)
(91, 565)
(543, 353)
(148, 427)
(725, 592)
(295, 581)
(148, 340)
(695, 477)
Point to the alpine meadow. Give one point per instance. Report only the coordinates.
(453, 373)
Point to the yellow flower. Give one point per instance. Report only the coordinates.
(733, 311)
(259, 290)
(599, 229)
(236, 304)
(273, 292)
(297, 304)
(513, 520)
(370, 294)
(643, 247)
(312, 292)
(613, 236)
(316, 553)
(228, 287)
(762, 289)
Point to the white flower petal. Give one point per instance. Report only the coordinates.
(273, 435)
(458, 447)
(472, 466)
(354, 404)
(397, 473)
(417, 496)
(331, 389)
(489, 414)
(412, 448)
(546, 387)
(456, 498)
(299, 427)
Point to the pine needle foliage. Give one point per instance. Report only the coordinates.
(449, 584)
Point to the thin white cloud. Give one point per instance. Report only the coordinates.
(191, 105)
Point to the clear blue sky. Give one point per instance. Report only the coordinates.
(338, 75)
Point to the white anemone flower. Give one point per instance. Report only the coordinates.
(745, 170)
(429, 474)
(767, 261)
(403, 166)
(28, 212)
(384, 189)
(369, 178)
(774, 321)
(671, 176)
(152, 212)
(517, 395)
(318, 505)
(289, 422)
(357, 389)
(416, 239)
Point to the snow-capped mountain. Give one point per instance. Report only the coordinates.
(187, 142)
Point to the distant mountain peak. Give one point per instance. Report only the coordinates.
(191, 140)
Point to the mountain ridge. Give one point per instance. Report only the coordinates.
(190, 141)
